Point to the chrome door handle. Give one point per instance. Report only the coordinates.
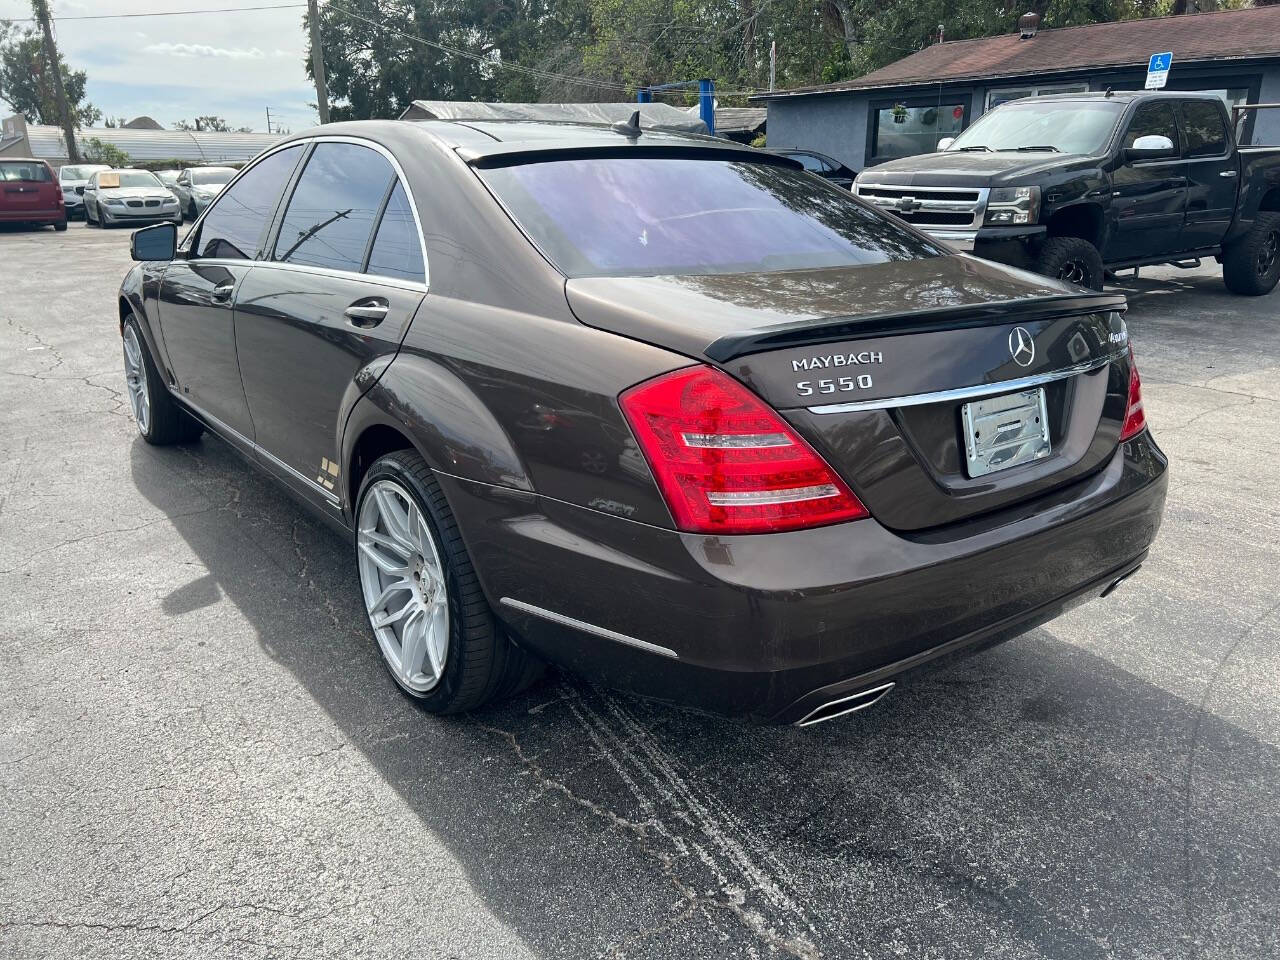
(1228, 173)
(366, 313)
(222, 292)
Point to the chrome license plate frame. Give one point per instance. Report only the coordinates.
(1005, 431)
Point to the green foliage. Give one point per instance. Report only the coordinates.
(378, 57)
(94, 150)
(207, 123)
(26, 83)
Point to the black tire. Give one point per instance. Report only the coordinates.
(169, 423)
(191, 211)
(481, 664)
(1072, 259)
(61, 225)
(1251, 265)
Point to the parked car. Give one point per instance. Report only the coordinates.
(659, 408)
(127, 196)
(1078, 184)
(823, 166)
(170, 179)
(30, 194)
(71, 176)
(197, 186)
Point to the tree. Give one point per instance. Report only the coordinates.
(26, 84)
(210, 123)
(96, 151)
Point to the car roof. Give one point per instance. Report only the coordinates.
(23, 160)
(1128, 96)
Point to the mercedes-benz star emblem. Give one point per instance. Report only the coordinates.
(1021, 347)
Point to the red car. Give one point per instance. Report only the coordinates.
(30, 193)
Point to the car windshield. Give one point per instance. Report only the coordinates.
(167, 177)
(1068, 126)
(24, 170)
(649, 216)
(127, 178)
(81, 172)
(206, 178)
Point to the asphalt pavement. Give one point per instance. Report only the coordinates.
(202, 756)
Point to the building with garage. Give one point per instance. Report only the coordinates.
(906, 107)
(143, 145)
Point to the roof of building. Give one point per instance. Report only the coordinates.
(143, 123)
(1225, 34)
(146, 145)
(658, 116)
(740, 119)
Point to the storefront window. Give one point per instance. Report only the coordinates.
(903, 131)
(997, 97)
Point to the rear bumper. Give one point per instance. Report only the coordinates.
(777, 624)
(33, 216)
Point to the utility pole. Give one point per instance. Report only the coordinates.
(317, 62)
(773, 63)
(268, 119)
(51, 58)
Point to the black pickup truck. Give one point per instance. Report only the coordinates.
(1077, 185)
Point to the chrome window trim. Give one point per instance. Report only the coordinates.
(967, 393)
(567, 621)
(304, 141)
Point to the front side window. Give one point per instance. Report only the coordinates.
(397, 251)
(331, 213)
(1206, 132)
(1152, 120)
(235, 226)
(902, 131)
(649, 216)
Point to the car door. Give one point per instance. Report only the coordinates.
(91, 197)
(182, 189)
(1212, 174)
(344, 277)
(197, 290)
(1149, 197)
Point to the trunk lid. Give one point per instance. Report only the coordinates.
(27, 186)
(873, 366)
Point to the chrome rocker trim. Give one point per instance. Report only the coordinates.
(582, 625)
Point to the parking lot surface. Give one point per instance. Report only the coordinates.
(201, 754)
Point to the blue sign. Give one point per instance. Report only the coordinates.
(1158, 70)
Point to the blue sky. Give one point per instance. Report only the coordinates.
(173, 68)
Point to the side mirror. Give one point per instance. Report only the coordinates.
(158, 242)
(80, 191)
(945, 143)
(1150, 147)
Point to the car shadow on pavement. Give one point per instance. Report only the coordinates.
(1033, 800)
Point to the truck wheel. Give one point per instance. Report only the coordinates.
(438, 637)
(1251, 265)
(1071, 259)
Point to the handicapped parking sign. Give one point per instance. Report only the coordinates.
(1158, 70)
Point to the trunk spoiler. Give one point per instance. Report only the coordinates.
(833, 329)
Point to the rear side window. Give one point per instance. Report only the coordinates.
(647, 216)
(1152, 120)
(332, 211)
(234, 228)
(397, 251)
(1206, 132)
(28, 172)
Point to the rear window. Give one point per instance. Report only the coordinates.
(24, 170)
(648, 216)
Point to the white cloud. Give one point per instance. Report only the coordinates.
(204, 50)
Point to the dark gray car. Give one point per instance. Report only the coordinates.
(658, 408)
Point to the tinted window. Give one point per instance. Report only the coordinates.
(30, 171)
(212, 176)
(397, 251)
(1152, 120)
(902, 131)
(331, 213)
(1205, 129)
(235, 225)
(810, 162)
(645, 216)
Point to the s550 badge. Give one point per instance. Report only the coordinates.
(829, 385)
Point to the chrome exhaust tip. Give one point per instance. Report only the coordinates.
(845, 705)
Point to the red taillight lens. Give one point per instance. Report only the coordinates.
(726, 462)
(1135, 417)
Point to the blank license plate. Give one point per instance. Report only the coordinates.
(1003, 432)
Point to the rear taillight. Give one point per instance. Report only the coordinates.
(726, 462)
(1135, 418)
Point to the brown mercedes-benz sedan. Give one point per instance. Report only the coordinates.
(658, 408)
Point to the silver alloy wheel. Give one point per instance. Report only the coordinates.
(405, 592)
(135, 377)
(1074, 271)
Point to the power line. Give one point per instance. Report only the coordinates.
(157, 13)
